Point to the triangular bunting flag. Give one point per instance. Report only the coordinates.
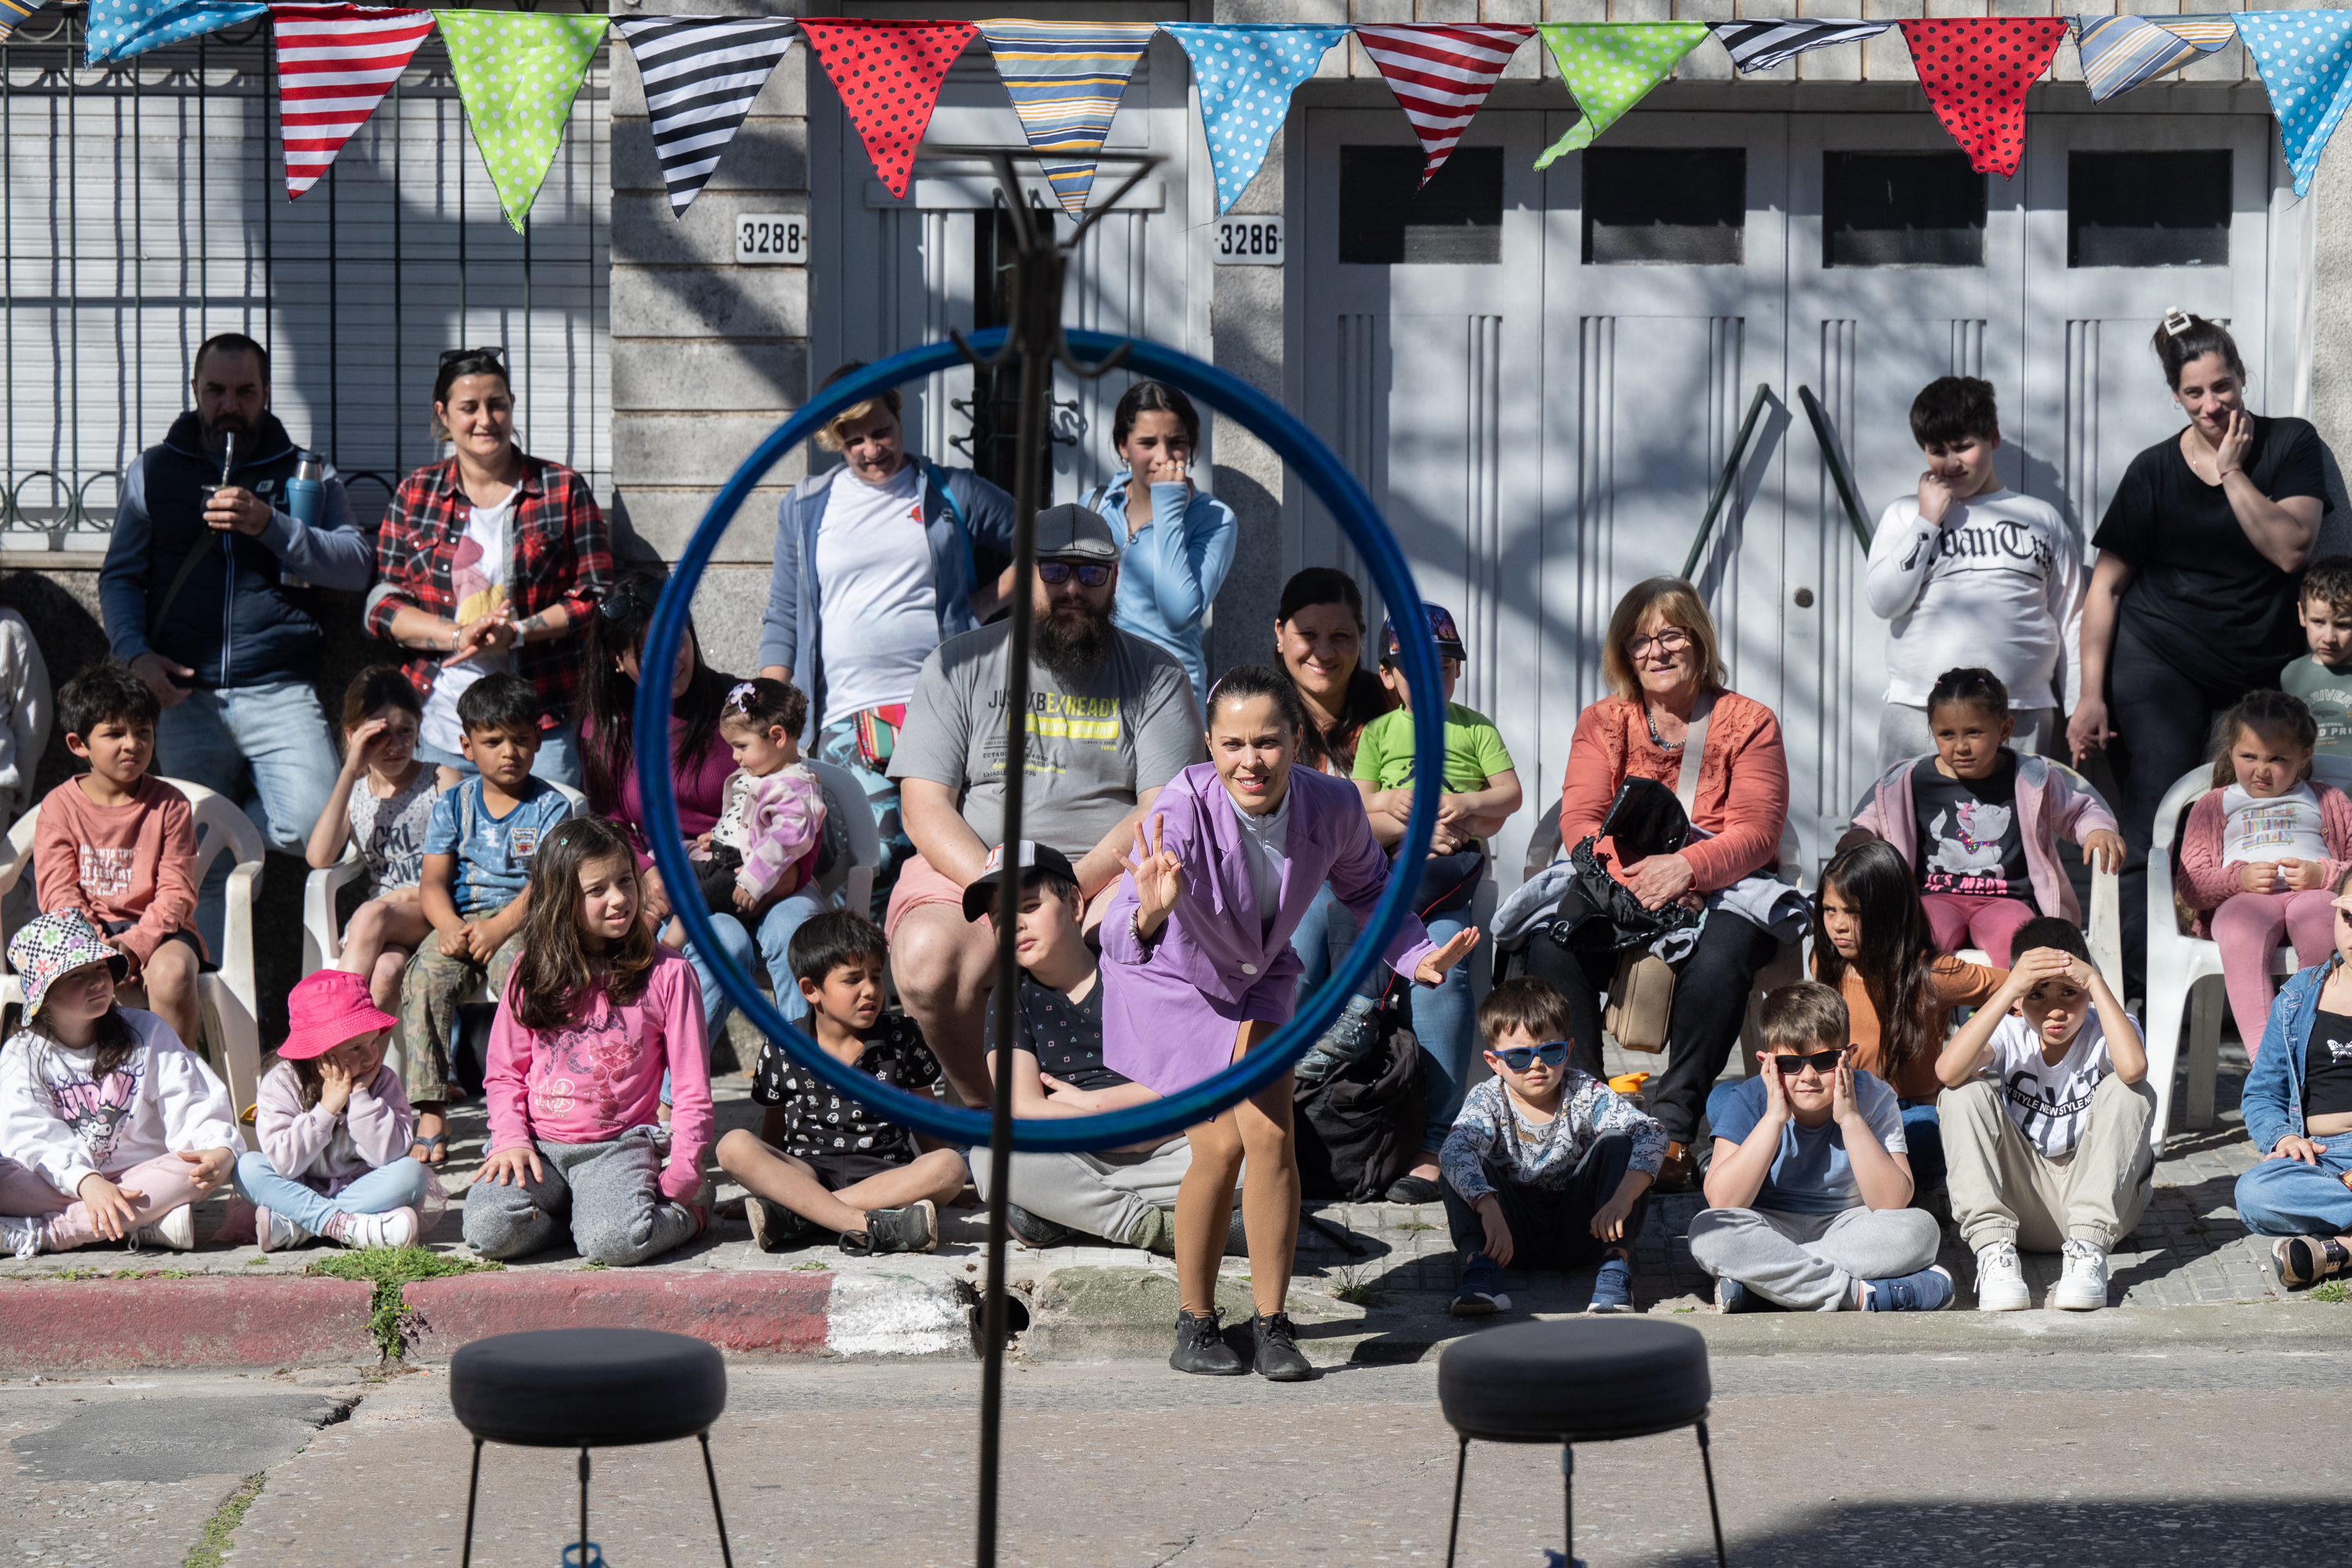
(1609, 66)
(2119, 53)
(1975, 72)
(335, 63)
(517, 72)
(2305, 61)
(1441, 74)
(1065, 80)
(889, 75)
(701, 76)
(1246, 72)
(118, 29)
(12, 12)
(1769, 41)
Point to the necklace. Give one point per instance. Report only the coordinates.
(1660, 740)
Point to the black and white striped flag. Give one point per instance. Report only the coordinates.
(1766, 42)
(702, 75)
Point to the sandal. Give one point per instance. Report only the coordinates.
(431, 1151)
(2305, 1260)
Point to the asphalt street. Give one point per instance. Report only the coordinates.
(2184, 1458)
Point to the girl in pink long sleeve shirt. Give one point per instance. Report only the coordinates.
(594, 1013)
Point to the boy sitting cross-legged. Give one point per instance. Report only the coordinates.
(1808, 1191)
(834, 1165)
(2045, 1113)
(1546, 1167)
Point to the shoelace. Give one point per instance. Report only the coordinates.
(1278, 1331)
(1206, 1331)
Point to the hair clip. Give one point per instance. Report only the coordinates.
(741, 694)
(2175, 321)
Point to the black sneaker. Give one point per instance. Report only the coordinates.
(1413, 1190)
(915, 1229)
(774, 1226)
(1278, 1360)
(1200, 1347)
(1029, 1230)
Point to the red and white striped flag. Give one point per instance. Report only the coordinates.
(335, 63)
(1441, 73)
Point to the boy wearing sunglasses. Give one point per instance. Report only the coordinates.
(2046, 1112)
(1545, 1167)
(1808, 1191)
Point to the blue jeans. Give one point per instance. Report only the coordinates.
(2288, 1198)
(399, 1184)
(558, 761)
(272, 738)
(1445, 1022)
(1324, 936)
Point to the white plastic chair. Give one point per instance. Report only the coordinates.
(2184, 977)
(849, 885)
(230, 1003)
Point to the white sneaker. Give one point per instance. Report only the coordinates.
(2083, 1287)
(2001, 1282)
(274, 1231)
(394, 1227)
(175, 1231)
(20, 1238)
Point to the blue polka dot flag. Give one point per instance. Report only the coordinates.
(2305, 61)
(1246, 72)
(118, 29)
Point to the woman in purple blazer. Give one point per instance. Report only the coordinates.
(1200, 970)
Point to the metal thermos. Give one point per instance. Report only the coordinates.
(306, 492)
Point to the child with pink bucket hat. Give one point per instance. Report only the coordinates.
(111, 1126)
(335, 1126)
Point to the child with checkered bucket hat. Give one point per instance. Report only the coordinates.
(334, 1125)
(109, 1125)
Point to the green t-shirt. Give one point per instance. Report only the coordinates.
(1474, 750)
(2328, 692)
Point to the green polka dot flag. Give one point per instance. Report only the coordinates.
(516, 73)
(1609, 67)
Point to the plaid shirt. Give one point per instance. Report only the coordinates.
(563, 555)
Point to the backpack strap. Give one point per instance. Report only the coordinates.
(1694, 754)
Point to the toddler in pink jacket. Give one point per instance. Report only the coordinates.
(594, 1013)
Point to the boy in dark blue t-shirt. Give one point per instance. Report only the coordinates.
(1808, 1190)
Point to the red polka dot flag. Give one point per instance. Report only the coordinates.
(1975, 73)
(889, 75)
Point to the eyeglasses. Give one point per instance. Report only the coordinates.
(631, 599)
(1669, 639)
(451, 356)
(1819, 1061)
(1054, 574)
(1518, 1058)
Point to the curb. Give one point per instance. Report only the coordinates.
(55, 1327)
(773, 1314)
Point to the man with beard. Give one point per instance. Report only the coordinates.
(1111, 718)
(205, 596)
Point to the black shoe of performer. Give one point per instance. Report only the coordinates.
(1029, 1230)
(1200, 1347)
(773, 1225)
(1278, 1360)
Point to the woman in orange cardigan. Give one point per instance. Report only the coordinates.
(1661, 659)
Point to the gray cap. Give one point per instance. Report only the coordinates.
(1074, 532)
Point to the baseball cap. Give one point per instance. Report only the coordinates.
(1442, 632)
(981, 896)
(1074, 532)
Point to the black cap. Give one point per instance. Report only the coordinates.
(1074, 532)
(981, 896)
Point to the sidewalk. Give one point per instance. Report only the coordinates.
(1376, 1289)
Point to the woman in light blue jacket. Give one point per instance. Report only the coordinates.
(1179, 540)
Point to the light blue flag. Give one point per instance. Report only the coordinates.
(118, 29)
(1246, 72)
(2305, 61)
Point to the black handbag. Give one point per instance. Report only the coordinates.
(1599, 914)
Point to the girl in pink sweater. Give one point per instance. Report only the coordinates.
(595, 1013)
(2263, 850)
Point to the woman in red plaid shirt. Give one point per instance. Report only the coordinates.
(489, 561)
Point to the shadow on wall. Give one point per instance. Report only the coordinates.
(1242, 631)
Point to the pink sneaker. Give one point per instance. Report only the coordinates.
(273, 1232)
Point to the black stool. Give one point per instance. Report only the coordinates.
(588, 1388)
(1591, 1381)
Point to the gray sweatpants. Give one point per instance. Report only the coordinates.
(2005, 1189)
(1808, 1262)
(1903, 733)
(1112, 1195)
(609, 1194)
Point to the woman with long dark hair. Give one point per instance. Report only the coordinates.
(1176, 539)
(2192, 602)
(489, 561)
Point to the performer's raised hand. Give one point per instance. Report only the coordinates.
(1159, 876)
(1432, 968)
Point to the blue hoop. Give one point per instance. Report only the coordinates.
(1328, 480)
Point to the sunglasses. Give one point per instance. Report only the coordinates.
(452, 356)
(631, 599)
(1054, 574)
(1518, 1058)
(1819, 1061)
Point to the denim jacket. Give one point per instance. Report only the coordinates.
(967, 520)
(2272, 1098)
